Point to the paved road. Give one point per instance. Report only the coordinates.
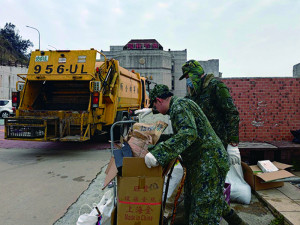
(40, 181)
(47, 183)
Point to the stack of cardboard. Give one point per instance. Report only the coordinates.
(139, 189)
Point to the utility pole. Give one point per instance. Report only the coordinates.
(39, 35)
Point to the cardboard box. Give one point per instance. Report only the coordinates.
(139, 192)
(260, 181)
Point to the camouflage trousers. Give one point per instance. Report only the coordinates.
(204, 201)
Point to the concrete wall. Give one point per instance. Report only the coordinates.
(179, 58)
(8, 79)
(211, 67)
(296, 70)
(269, 107)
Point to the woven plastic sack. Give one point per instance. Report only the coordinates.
(240, 190)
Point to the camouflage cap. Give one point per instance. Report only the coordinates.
(191, 66)
(159, 90)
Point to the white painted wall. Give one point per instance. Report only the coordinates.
(8, 79)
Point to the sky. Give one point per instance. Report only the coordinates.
(251, 38)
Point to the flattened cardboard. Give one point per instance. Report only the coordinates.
(257, 180)
(255, 169)
(275, 175)
(139, 193)
(281, 166)
(111, 172)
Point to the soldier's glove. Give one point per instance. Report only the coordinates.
(234, 154)
(143, 112)
(150, 160)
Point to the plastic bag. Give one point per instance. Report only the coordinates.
(175, 180)
(240, 189)
(106, 207)
(87, 218)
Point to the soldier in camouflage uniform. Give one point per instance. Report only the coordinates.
(213, 97)
(202, 153)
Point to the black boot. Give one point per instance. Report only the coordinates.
(232, 218)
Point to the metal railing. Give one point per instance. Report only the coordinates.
(112, 149)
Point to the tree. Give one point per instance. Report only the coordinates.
(10, 34)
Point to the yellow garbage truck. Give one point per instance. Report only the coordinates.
(68, 95)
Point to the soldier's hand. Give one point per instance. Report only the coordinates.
(234, 154)
(150, 160)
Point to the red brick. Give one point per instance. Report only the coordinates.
(268, 100)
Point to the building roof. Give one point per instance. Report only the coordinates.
(143, 44)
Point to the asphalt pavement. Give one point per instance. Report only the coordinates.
(48, 183)
(41, 181)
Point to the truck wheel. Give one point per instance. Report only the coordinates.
(4, 114)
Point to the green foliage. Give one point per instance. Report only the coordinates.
(12, 47)
(10, 34)
(278, 221)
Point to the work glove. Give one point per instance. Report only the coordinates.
(150, 160)
(143, 112)
(234, 154)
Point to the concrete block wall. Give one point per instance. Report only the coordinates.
(269, 107)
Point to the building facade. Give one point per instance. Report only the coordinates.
(211, 67)
(296, 70)
(147, 57)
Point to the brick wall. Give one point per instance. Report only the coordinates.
(269, 107)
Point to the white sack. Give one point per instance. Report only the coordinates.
(240, 189)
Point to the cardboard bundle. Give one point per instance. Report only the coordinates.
(144, 134)
(139, 143)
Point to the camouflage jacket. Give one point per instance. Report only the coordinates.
(194, 139)
(213, 97)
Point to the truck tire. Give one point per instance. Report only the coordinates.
(4, 114)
